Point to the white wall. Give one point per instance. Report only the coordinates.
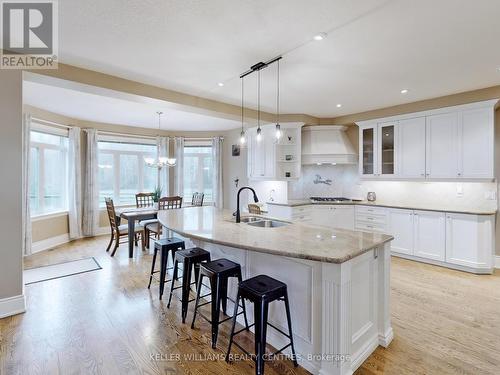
(235, 167)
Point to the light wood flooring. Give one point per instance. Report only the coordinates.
(107, 322)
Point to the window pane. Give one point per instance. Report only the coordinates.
(49, 139)
(190, 176)
(208, 178)
(129, 178)
(150, 176)
(34, 181)
(132, 176)
(106, 179)
(54, 189)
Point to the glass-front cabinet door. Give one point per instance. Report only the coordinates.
(387, 147)
(368, 153)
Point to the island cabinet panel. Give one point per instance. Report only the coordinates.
(333, 216)
(401, 227)
(429, 234)
(469, 240)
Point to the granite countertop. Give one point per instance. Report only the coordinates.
(409, 206)
(294, 240)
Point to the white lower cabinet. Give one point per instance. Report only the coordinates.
(429, 234)
(469, 240)
(401, 228)
(463, 241)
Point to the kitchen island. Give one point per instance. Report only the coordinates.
(338, 281)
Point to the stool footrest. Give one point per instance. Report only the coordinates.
(279, 330)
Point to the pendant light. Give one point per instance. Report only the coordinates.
(243, 137)
(259, 130)
(278, 126)
(162, 160)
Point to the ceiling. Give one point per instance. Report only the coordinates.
(112, 110)
(374, 48)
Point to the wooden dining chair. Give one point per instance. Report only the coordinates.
(197, 199)
(153, 229)
(254, 209)
(118, 231)
(144, 200)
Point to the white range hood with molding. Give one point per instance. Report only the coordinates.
(327, 144)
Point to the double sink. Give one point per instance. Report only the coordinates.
(261, 222)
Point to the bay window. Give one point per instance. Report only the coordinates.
(122, 170)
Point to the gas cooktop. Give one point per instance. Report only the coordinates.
(329, 199)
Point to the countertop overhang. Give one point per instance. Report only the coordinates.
(294, 240)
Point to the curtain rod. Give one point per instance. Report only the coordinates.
(51, 123)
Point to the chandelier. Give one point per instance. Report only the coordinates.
(162, 161)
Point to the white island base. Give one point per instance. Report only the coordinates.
(340, 311)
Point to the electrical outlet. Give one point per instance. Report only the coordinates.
(460, 190)
(490, 195)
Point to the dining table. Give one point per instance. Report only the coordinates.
(133, 215)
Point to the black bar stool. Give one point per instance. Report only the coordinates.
(164, 246)
(191, 258)
(218, 271)
(261, 290)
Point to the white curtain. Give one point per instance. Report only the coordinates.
(163, 144)
(91, 189)
(75, 184)
(179, 166)
(217, 144)
(26, 214)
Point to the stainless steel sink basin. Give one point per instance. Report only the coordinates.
(250, 219)
(268, 223)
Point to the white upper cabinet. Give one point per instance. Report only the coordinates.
(476, 134)
(447, 143)
(272, 159)
(411, 150)
(442, 146)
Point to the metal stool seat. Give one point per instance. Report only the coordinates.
(262, 290)
(218, 272)
(191, 258)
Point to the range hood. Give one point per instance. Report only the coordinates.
(327, 144)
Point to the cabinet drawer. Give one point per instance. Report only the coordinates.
(301, 210)
(370, 227)
(374, 219)
(372, 211)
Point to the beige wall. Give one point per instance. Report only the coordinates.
(497, 176)
(11, 186)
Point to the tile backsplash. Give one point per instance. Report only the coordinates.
(343, 179)
(345, 182)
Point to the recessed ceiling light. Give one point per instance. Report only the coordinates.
(220, 84)
(320, 36)
(404, 91)
(339, 105)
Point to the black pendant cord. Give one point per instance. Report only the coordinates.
(258, 101)
(278, 98)
(242, 108)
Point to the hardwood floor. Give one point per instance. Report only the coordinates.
(107, 322)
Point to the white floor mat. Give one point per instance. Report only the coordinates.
(55, 271)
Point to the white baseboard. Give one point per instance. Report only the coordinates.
(497, 261)
(12, 306)
(49, 243)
